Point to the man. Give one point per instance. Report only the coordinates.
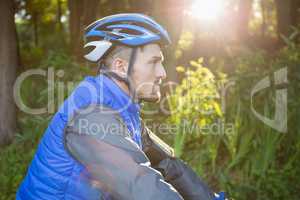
(96, 146)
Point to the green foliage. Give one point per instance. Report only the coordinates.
(185, 42)
(254, 161)
(16, 158)
(248, 159)
(194, 101)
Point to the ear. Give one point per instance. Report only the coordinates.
(120, 66)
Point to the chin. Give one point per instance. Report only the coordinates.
(154, 98)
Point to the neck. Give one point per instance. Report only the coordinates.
(125, 88)
(122, 85)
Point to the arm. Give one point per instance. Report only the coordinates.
(185, 180)
(176, 172)
(102, 143)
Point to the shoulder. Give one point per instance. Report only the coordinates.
(97, 119)
(101, 125)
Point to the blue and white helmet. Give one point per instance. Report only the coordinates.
(129, 29)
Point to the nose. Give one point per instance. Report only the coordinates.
(161, 72)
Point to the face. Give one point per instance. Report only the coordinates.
(148, 72)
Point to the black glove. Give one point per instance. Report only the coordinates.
(184, 180)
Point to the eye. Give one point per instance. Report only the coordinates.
(153, 62)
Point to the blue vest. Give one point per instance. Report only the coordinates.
(53, 173)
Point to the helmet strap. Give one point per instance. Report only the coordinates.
(132, 59)
(128, 79)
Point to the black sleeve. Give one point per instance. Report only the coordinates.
(184, 179)
(101, 142)
(175, 171)
(155, 148)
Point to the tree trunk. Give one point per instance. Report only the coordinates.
(264, 18)
(82, 13)
(284, 20)
(170, 16)
(139, 6)
(35, 28)
(90, 12)
(8, 67)
(243, 18)
(75, 8)
(59, 14)
(295, 6)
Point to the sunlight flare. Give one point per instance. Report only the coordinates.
(207, 10)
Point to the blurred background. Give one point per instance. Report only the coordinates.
(215, 43)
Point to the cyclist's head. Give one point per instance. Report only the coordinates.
(128, 48)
